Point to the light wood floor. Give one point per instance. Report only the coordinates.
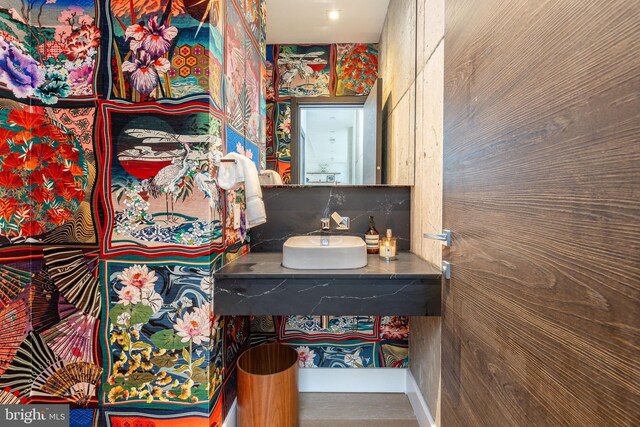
(356, 410)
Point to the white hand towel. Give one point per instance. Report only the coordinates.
(231, 175)
(270, 177)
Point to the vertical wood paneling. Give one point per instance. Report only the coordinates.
(541, 175)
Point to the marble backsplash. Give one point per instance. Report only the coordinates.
(295, 210)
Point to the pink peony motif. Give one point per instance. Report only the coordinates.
(138, 277)
(129, 295)
(205, 312)
(305, 357)
(193, 326)
(81, 79)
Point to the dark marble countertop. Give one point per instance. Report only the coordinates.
(268, 265)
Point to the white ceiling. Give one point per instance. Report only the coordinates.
(306, 21)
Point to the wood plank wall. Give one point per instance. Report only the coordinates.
(541, 182)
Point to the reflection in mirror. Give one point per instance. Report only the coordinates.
(336, 141)
(331, 145)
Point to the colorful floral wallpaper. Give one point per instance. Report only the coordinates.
(114, 116)
(348, 69)
(347, 342)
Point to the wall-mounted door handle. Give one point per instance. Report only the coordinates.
(444, 237)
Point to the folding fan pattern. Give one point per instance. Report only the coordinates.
(13, 329)
(48, 330)
(69, 271)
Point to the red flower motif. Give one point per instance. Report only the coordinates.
(41, 152)
(68, 191)
(58, 174)
(13, 162)
(8, 208)
(50, 131)
(68, 152)
(42, 173)
(5, 135)
(31, 228)
(75, 170)
(81, 41)
(59, 215)
(25, 119)
(9, 179)
(42, 195)
(4, 148)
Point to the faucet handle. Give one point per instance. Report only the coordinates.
(325, 224)
(343, 222)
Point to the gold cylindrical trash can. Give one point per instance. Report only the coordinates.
(268, 387)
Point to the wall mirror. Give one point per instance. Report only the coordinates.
(337, 141)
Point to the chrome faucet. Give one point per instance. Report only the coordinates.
(325, 230)
(342, 222)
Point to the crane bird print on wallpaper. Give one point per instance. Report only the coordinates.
(168, 180)
(209, 187)
(305, 66)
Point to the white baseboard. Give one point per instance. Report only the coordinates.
(341, 380)
(231, 419)
(419, 405)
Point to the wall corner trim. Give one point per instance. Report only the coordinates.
(232, 417)
(419, 405)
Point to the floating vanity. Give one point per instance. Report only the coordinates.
(258, 284)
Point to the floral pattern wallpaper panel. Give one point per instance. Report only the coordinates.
(184, 91)
(160, 330)
(158, 181)
(356, 68)
(348, 342)
(166, 49)
(49, 49)
(47, 175)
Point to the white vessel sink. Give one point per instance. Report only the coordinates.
(308, 253)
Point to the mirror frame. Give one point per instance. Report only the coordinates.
(335, 101)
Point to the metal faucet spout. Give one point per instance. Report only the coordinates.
(325, 230)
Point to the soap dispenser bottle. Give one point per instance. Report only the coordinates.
(372, 238)
(388, 246)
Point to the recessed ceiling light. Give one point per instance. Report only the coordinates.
(334, 15)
